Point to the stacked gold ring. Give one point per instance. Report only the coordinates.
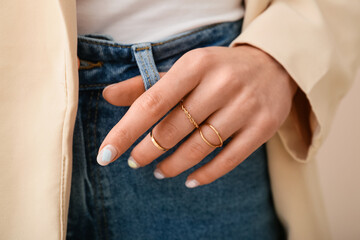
(188, 114)
(198, 127)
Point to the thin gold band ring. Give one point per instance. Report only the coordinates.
(188, 114)
(191, 119)
(156, 143)
(216, 132)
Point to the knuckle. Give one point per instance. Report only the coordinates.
(198, 58)
(123, 134)
(200, 53)
(168, 132)
(151, 103)
(229, 81)
(246, 68)
(251, 101)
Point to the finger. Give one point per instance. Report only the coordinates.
(146, 111)
(174, 127)
(124, 93)
(199, 104)
(78, 62)
(239, 148)
(195, 149)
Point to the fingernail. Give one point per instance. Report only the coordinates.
(106, 155)
(158, 174)
(191, 183)
(132, 163)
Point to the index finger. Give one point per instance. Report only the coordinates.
(145, 112)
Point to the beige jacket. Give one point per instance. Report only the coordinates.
(317, 41)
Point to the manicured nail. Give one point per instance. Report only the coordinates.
(158, 174)
(106, 155)
(191, 183)
(132, 163)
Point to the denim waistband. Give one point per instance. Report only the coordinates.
(103, 48)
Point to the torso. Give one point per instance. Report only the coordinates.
(131, 21)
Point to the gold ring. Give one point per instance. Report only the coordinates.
(156, 143)
(188, 114)
(217, 133)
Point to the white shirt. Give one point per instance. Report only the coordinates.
(132, 21)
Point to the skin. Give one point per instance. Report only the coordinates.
(242, 91)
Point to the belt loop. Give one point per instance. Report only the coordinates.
(145, 61)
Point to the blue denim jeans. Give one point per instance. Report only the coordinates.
(117, 202)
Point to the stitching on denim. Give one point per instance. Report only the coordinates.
(98, 170)
(88, 119)
(142, 49)
(153, 44)
(144, 67)
(88, 123)
(91, 65)
(87, 143)
(151, 65)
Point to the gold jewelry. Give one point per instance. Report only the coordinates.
(217, 133)
(156, 143)
(188, 114)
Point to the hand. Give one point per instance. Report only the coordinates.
(243, 92)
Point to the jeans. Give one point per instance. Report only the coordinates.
(117, 202)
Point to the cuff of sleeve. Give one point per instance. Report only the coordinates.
(288, 42)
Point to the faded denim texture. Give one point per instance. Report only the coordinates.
(117, 202)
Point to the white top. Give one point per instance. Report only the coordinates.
(133, 21)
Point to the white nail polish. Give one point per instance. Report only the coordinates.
(132, 163)
(158, 174)
(191, 183)
(106, 155)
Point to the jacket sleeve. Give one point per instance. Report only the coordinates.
(318, 43)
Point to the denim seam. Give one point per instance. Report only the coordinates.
(151, 65)
(98, 171)
(152, 44)
(87, 143)
(142, 49)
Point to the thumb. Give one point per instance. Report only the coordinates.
(126, 92)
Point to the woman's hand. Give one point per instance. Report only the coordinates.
(243, 92)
